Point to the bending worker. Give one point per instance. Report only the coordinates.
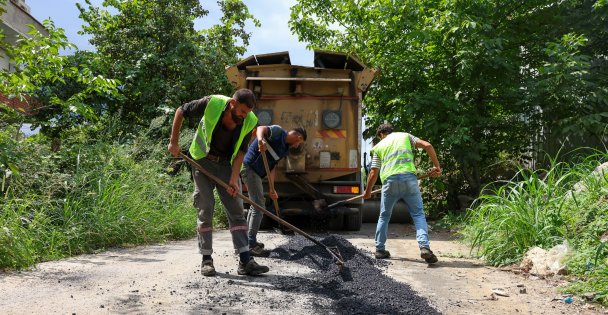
(219, 146)
(275, 142)
(394, 158)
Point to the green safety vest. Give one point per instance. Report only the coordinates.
(395, 153)
(201, 143)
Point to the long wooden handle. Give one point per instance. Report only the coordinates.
(258, 207)
(352, 199)
(361, 196)
(270, 183)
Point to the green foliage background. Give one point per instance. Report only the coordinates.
(159, 57)
(483, 81)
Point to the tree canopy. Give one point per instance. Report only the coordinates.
(162, 61)
(65, 88)
(479, 79)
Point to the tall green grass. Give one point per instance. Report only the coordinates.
(545, 208)
(519, 215)
(89, 197)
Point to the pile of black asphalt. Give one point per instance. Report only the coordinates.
(359, 287)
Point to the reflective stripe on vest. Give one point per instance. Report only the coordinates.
(395, 152)
(201, 143)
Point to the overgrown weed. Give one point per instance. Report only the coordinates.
(566, 202)
(90, 196)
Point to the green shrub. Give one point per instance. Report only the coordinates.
(450, 220)
(519, 215)
(90, 196)
(567, 203)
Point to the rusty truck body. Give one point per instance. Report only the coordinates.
(326, 100)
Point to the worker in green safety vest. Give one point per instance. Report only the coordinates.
(222, 136)
(393, 160)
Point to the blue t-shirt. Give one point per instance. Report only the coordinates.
(277, 141)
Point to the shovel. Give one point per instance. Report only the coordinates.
(282, 230)
(341, 202)
(333, 251)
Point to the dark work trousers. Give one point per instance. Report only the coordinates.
(204, 202)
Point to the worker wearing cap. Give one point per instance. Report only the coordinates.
(275, 142)
(219, 146)
(393, 159)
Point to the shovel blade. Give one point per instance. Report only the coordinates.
(320, 205)
(338, 260)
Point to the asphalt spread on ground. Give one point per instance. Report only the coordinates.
(359, 287)
(320, 287)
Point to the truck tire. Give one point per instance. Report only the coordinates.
(353, 222)
(335, 222)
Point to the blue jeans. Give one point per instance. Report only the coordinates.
(401, 186)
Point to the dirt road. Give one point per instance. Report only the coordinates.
(165, 279)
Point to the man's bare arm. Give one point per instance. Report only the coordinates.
(173, 146)
(371, 180)
(428, 147)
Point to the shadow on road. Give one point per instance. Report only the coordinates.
(442, 263)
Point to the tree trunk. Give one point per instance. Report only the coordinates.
(55, 144)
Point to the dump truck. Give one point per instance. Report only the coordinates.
(326, 100)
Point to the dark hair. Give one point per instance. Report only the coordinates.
(301, 131)
(245, 96)
(384, 129)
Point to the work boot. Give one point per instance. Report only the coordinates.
(207, 268)
(251, 268)
(382, 254)
(259, 251)
(260, 244)
(427, 255)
